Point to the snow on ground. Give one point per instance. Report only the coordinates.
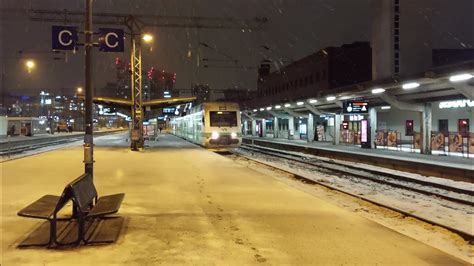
(455, 215)
(431, 235)
(432, 179)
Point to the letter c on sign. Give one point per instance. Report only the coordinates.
(60, 38)
(115, 44)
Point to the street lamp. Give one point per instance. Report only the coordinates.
(30, 64)
(147, 37)
(79, 90)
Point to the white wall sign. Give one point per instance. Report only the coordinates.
(456, 104)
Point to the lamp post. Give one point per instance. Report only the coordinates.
(136, 88)
(30, 65)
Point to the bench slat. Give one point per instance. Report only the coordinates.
(42, 208)
(107, 205)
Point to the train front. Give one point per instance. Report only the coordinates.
(222, 126)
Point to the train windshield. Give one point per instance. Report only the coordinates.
(223, 118)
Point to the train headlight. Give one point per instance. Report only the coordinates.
(215, 135)
(233, 135)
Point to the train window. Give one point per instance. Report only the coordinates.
(223, 119)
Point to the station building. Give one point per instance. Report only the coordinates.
(414, 95)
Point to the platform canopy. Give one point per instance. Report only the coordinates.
(156, 103)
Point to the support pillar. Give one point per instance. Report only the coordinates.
(337, 129)
(246, 127)
(291, 127)
(426, 123)
(373, 126)
(254, 126)
(310, 128)
(276, 128)
(264, 128)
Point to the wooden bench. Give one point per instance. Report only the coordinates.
(86, 206)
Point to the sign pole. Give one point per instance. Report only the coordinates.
(88, 137)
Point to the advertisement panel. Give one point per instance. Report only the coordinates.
(320, 132)
(364, 130)
(417, 140)
(392, 139)
(437, 141)
(380, 138)
(471, 143)
(455, 142)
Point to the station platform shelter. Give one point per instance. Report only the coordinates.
(429, 114)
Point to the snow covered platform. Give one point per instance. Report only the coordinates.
(187, 205)
(451, 167)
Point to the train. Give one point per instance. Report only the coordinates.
(213, 125)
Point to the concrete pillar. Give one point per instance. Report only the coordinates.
(3, 126)
(264, 128)
(291, 126)
(246, 127)
(254, 125)
(276, 130)
(373, 125)
(426, 129)
(310, 128)
(337, 129)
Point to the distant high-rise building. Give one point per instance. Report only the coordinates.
(405, 33)
(202, 93)
(160, 84)
(122, 86)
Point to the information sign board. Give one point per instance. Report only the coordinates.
(355, 107)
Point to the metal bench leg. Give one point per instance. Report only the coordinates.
(52, 232)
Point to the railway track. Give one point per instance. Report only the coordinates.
(441, 191)
(19, 149)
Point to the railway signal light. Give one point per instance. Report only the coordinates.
(409, 128)
(345, 125)
(463, 127)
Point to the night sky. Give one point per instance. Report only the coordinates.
(296, 28)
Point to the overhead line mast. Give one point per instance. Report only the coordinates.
(135, 25)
